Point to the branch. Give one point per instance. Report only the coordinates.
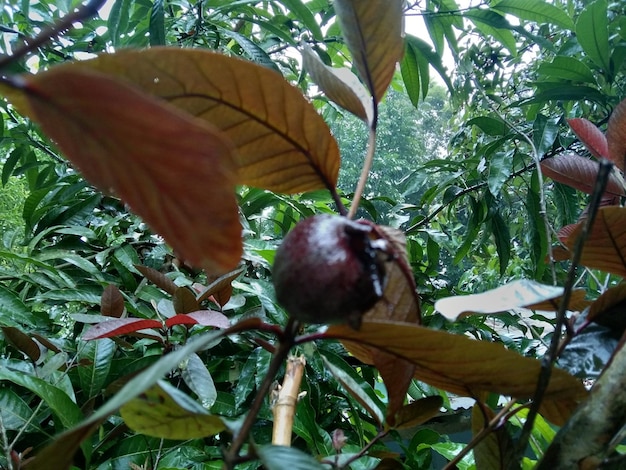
(286, 399)
(552, 353)
(86, 11)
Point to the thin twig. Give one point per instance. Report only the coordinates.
(231, 456)
(365, 171)
(88, 10)
(552, 353)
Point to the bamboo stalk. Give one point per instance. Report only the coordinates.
(284, 401)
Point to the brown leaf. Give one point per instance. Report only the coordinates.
(373, 33)
(339, 85)
(22, 342)
(616, 135)
(221, 288)
(580, 173)
(157, 278)
(418, 412)
(282, 143)
(496, 451)
(605, 248)
(459, 364)
(165, 164)
(185, 301)
(397, 375)
(592, 137)
(112, 302)
(608, 309)
(522, 293)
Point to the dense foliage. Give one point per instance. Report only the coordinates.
(139, 359)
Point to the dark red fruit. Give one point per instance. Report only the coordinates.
(328, 271)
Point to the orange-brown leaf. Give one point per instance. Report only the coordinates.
(496, 451)
(608, 309)
(616, 135)
(22, 342)
(112, 302)
(373, 32)
(605, 248)
(339, 85)
(282, 143)
(172, 169)
(459, 364)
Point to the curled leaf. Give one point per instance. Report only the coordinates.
(339, 85)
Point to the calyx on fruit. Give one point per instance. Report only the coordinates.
(329, 269)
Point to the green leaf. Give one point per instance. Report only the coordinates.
(166, 412)
(592, 32)
(280, 458)
(535, 10)
(66, 411)
(489, 125)
(537, 237)
(545, 132)
(355, 385)
(199, 380)
(95, 363)
(410, 70)
(15, 412)
(502, 237)
(13, 312)
(245, 383)
(157, 24)
(118, 20)
(567, 68)
(490, 23)
(423, 49)
(500, 167)
(302, 13)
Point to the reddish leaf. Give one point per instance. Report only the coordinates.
(185, 301)
(605, 248)
(590, 136)
(112, 303)
(616, 135)
(397, 375)
(157, 278)
(22, 342)
(201, 317)
(120, 326)
(564, 232)
(579, 172)
(164, 163)
(221, 288)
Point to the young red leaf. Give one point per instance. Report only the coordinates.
(580, 173)
(22, 342)
(590, 136)
(616, 135)
(172, 169)
(120, 326)
(157, 278)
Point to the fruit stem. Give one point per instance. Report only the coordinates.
(286, 342)
(367, 166)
